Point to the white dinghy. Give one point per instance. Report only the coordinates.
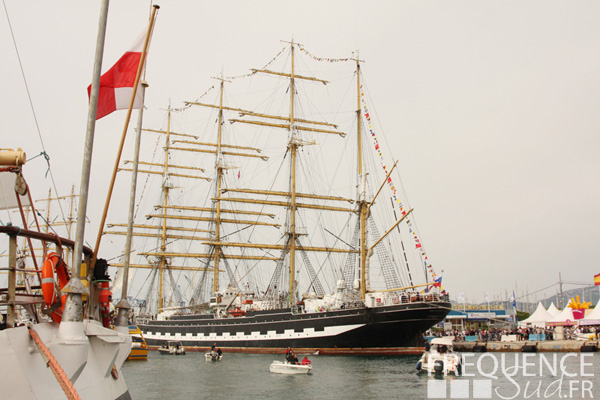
(284, 367)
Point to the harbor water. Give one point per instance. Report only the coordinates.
(247, 376)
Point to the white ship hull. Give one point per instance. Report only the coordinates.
(87, 361)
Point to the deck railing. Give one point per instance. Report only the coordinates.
(27, 296)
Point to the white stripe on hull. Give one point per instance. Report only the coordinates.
(270, 335)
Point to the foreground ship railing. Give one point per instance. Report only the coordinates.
(27, 296)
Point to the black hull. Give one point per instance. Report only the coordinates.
(394, 326)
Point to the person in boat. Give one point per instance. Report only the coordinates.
(294, 358)
(291, 358)
(427, 348)
(305, 361)
(443, 349)
(288, 355)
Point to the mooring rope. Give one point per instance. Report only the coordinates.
(59, 373)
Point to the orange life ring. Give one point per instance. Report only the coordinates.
(53, 263)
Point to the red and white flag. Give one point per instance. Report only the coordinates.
(116, 85)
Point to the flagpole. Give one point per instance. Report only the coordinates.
(73, 309)
(123, 306)
(124, 134)
(514, 296)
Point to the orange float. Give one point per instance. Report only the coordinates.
(54, 263)
(104, 298)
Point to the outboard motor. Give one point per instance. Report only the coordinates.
(438, 367)
(458, 369)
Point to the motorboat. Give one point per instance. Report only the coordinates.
(213, 356)
(440, 358)
(285, 367)
(139, 348)
(173, 348)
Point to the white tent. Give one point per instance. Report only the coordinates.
(538, 319)
(553, 310)
(565, 318)
(593, 318)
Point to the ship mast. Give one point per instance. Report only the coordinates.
(69, 222)
(48, 210)
(163, 231)
(293, 150)
(219, 165)
(362, 201)
(293, 125)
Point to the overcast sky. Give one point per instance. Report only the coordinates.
(491, 107)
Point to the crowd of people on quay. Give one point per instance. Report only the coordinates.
(524, 333)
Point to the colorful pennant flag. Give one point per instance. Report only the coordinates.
(390, 183)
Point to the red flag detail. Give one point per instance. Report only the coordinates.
(116, 85)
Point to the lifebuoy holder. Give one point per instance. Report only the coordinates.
(55, 305)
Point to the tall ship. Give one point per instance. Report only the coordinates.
(285, 226)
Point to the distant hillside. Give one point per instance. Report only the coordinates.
(588, 293)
